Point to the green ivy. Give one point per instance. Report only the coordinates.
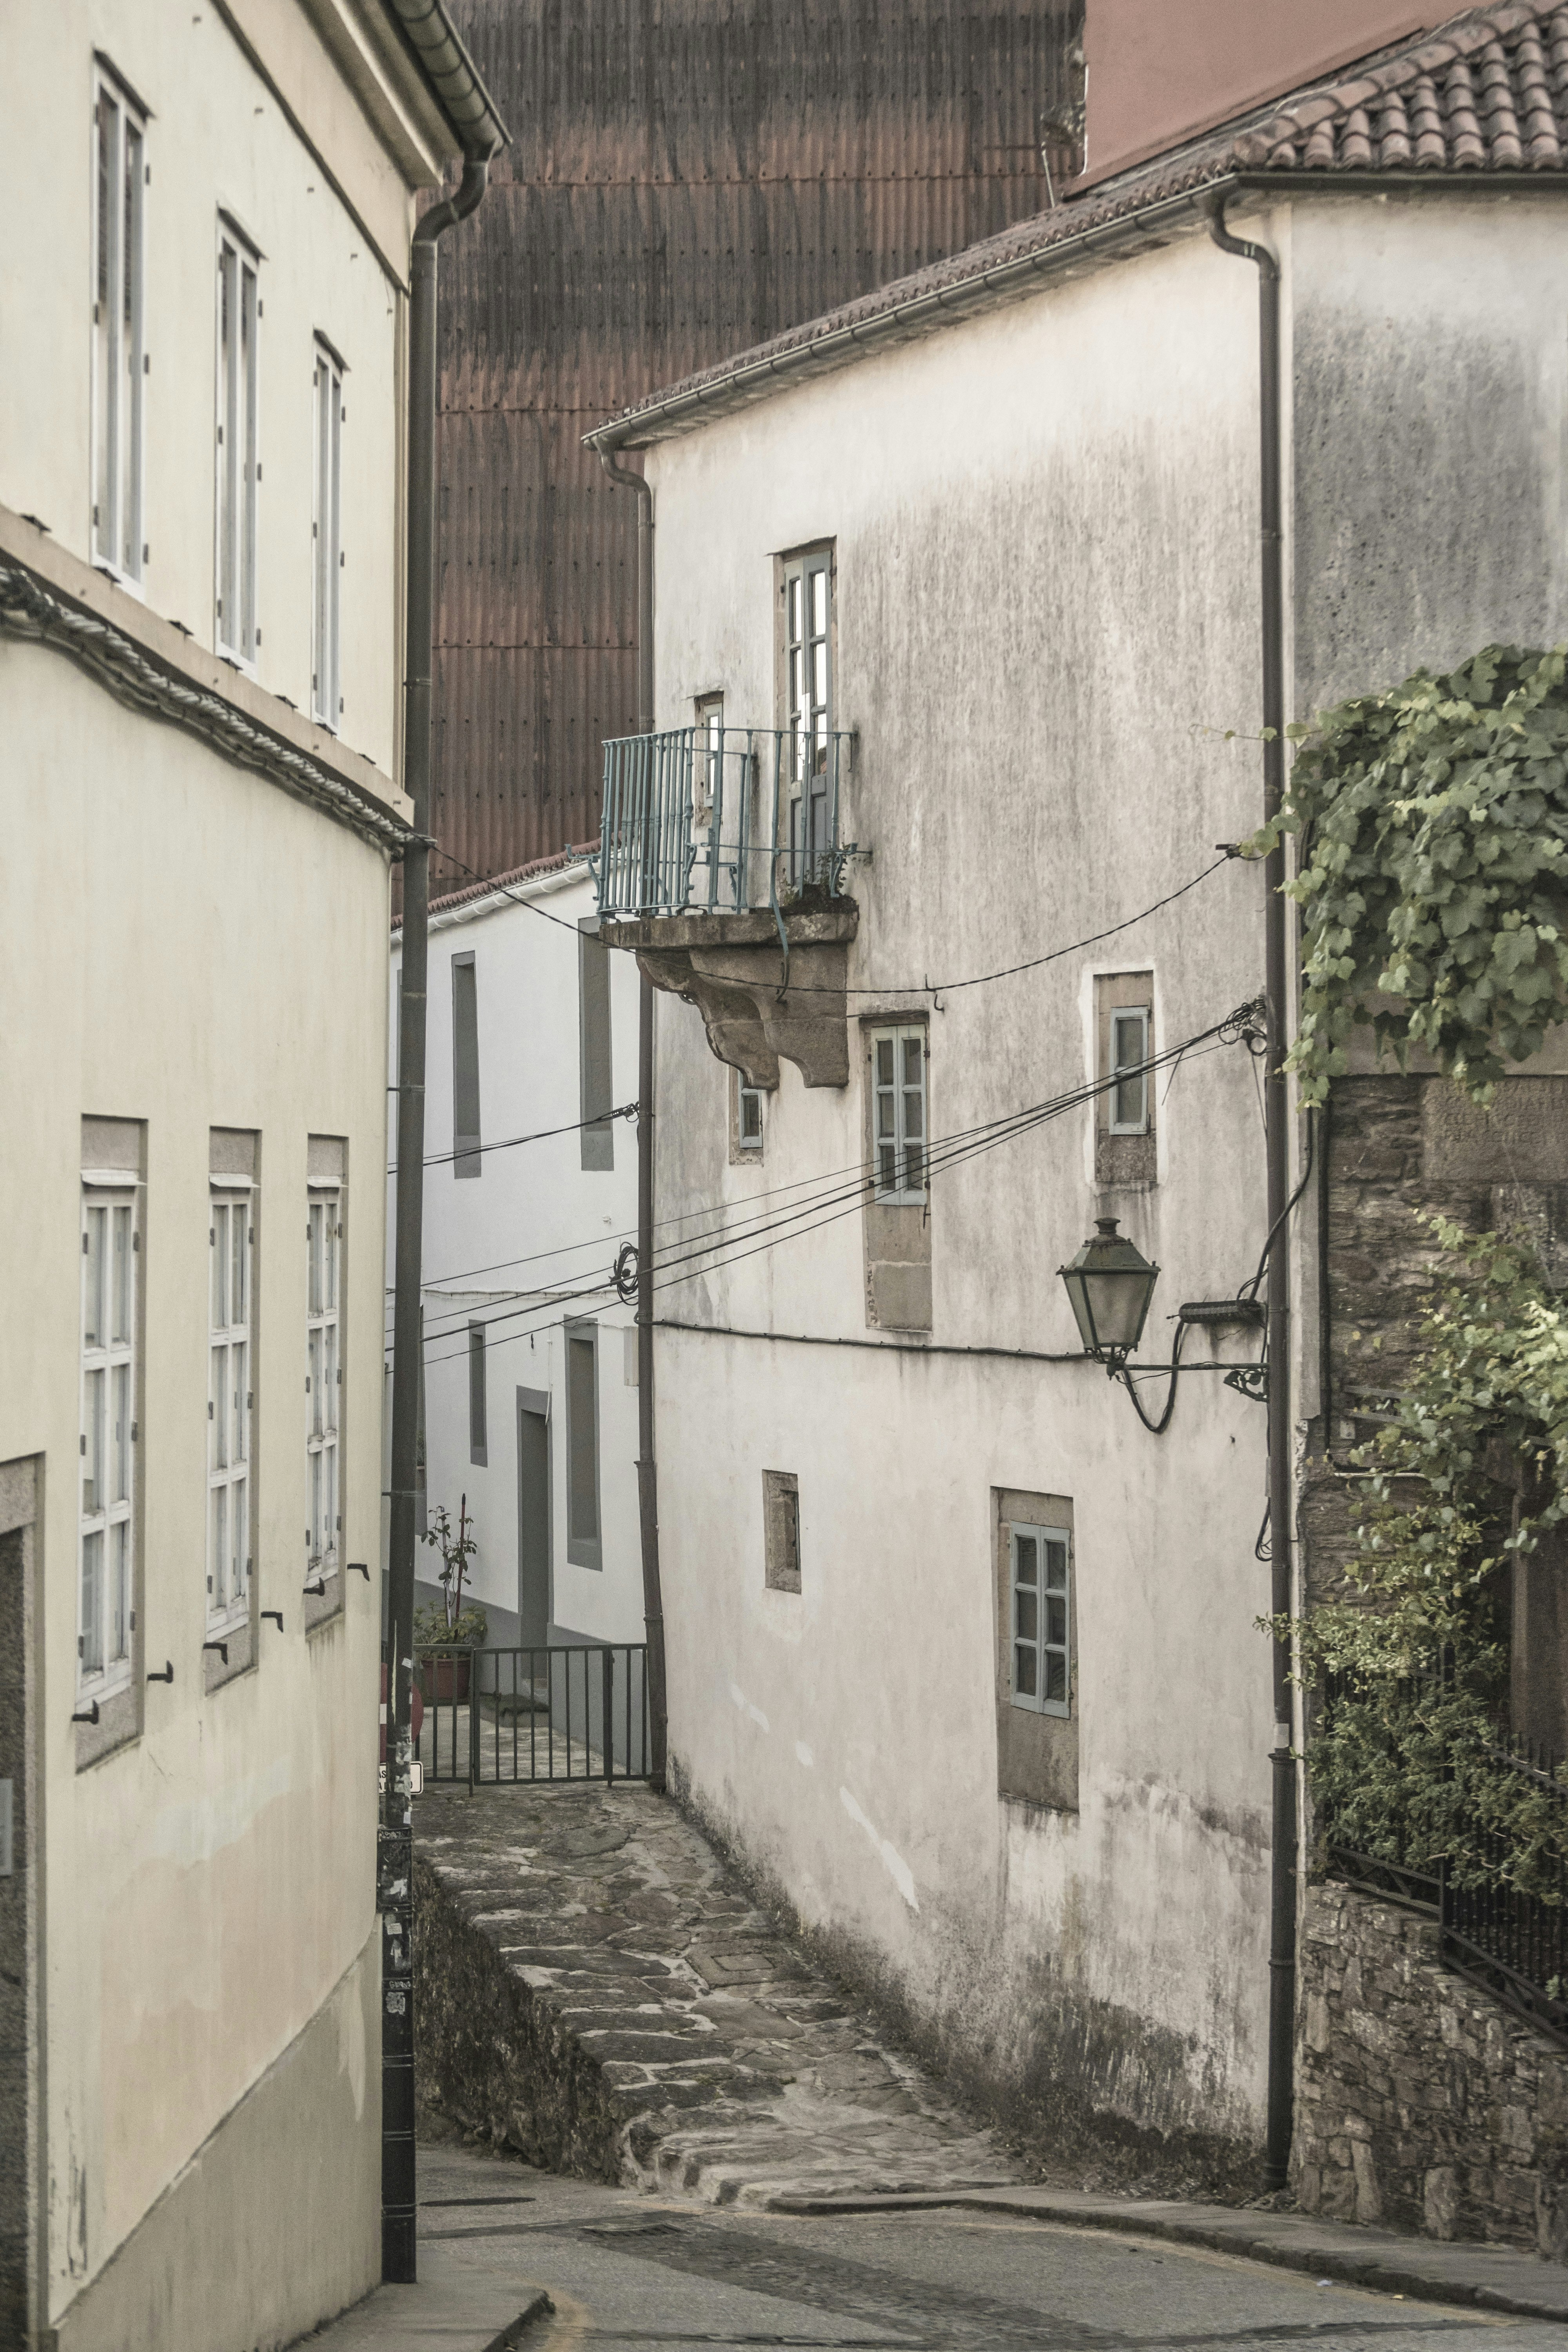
(1434, 869)
(1406, 1765)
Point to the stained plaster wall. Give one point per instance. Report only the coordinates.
(1045, 527)
(566, 1221)
(1045, 530)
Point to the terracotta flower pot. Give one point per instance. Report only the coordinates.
(446, 1679)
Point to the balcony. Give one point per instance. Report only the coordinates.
(721, 865)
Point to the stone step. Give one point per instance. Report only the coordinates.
(595, 1991)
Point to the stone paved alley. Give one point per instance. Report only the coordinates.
(596, 1991)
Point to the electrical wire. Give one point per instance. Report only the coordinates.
(1009, 972)
(542, 1135)
(806, 1217)
(559, 920)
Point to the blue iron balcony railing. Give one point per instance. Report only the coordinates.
(721, 820)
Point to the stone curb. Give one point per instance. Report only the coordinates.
(1493, 2277)
(540, 2307)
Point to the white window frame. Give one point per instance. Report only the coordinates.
(1033, 1630)
(329, 413)
(750, 1146)
(237, 445)
(1135, 1018)
(708, 757)
(808, 696)
(106, 1606)
(231, 1396)
(323, 1381)
(118, 394)
(898, 1147)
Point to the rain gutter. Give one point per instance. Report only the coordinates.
(480, 132)
(1277, 1155)
(648, 1464)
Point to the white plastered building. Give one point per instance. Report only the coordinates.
(530, 1349)
(202, 485)
(964, 1661)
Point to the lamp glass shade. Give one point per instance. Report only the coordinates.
(1110, 1283)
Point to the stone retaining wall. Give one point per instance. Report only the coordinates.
(1420, 2102)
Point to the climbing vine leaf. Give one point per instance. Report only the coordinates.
(1471, 1468)
(1433, 873)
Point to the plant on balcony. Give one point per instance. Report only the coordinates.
(1407, 1764)
(1433, 869)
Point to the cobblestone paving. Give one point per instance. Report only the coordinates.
(658, 2028)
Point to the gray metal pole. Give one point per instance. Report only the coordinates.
(1277, 1149)
(648, 1463)
(395, 1851)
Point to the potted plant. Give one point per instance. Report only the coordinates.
(447, 1626)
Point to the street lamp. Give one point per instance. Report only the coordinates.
(1111, 1283)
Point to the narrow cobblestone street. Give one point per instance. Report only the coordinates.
(596, 1990)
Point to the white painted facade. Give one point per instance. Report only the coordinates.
(193, 964)
(521, 1252)
(1045, 530)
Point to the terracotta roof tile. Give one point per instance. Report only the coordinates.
(501, 882)
(1486, 92)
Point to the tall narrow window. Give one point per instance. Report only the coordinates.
(808, 708)
(707, 779)
(1124, 1105)
(898, 1120)
(583, 1543)
(323, 1385)
(467, 1159)
(326, 690)
(596, 1073)
(109, 1384)
(239, 311)
(781, 1530)
(748, 1116)
(478, 1450)
(1041, 1650)
(118, 358)
(229, 1381)
(1128, 1053)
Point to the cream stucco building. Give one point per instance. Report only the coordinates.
(202, 377)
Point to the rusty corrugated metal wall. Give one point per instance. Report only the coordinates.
(686, 178)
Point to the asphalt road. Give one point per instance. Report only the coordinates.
(628, 2270)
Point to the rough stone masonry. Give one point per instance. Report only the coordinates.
(1420, 2103)
(596, 1991)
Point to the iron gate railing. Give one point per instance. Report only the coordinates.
(572, 1711)
(721, 820)
(1514, 1946)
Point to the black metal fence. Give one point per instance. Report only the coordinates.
(569, 1712)
(1513, 1945)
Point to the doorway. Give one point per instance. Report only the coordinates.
(533, 1517)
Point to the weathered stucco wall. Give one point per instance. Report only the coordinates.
(1421, 2104)
(1044, 533)
(1046, 538)
(211, 1880)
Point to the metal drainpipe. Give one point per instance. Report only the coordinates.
(399, 2257)
(1277, 1114)
(647, 1466)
